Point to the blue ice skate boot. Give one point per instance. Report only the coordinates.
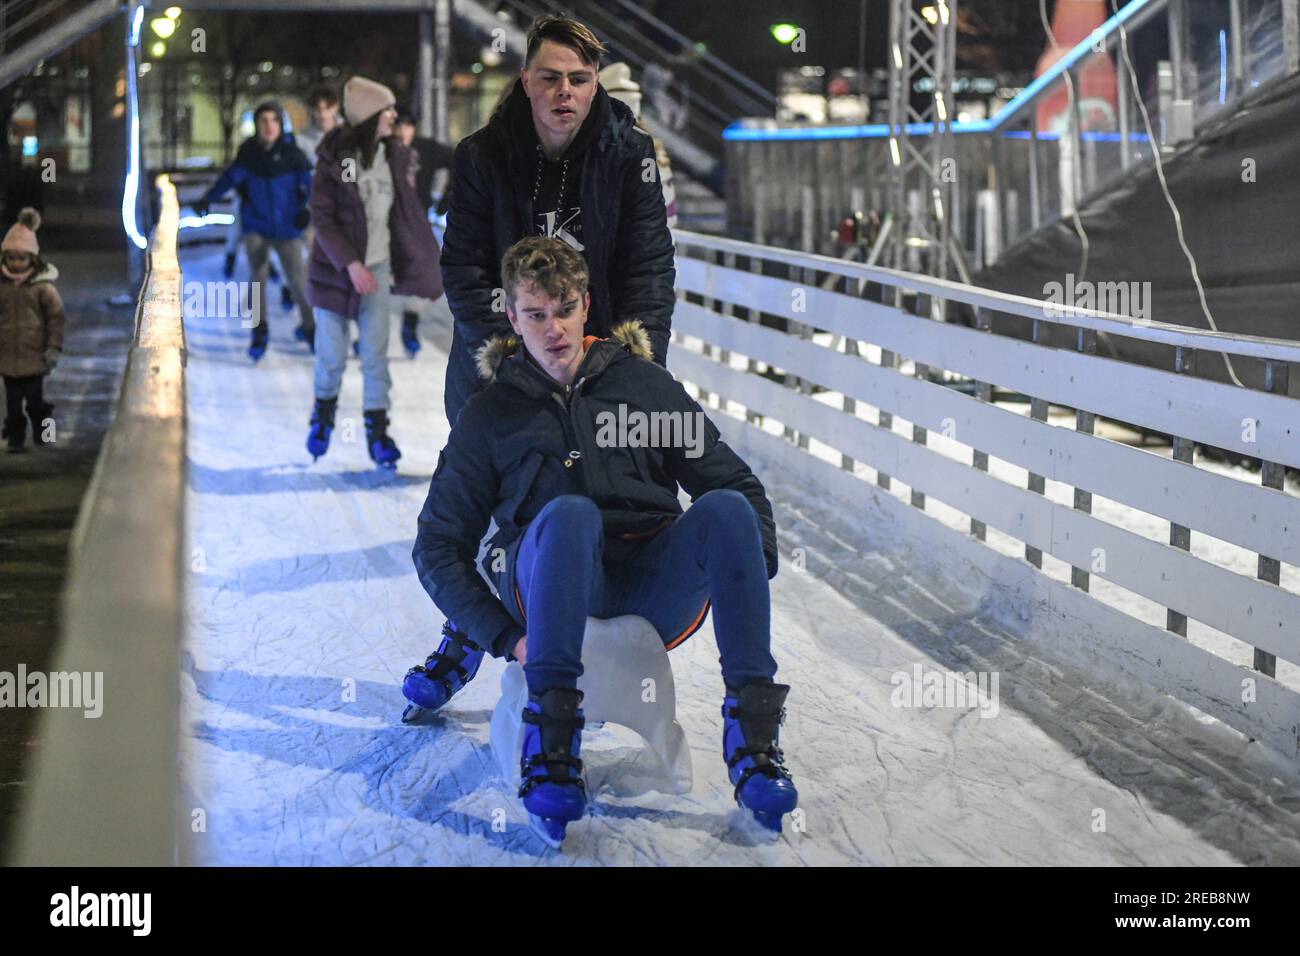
(429, 686)
(322, 425)
(752, 717)
(552, 788)
(410, 335)
(257, 347)
(383, 450)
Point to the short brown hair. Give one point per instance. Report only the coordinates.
(322, 93)
(551, 265)
(567, 32)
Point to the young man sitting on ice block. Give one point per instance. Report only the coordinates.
(577, 447)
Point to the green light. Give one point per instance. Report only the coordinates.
(785, 32)
(158, 48)
(163, 26)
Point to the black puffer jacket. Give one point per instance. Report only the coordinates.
(628, 247)
(525, 439)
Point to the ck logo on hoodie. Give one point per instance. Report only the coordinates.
(562, 224)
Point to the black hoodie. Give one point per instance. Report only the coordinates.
(613, 181)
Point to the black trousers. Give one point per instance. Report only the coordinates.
(24, 388)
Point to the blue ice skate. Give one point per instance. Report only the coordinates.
(552, 787)
(429, 686)
(755, 764)
(382, 448)
(322, 426)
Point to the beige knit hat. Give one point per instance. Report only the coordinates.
(21, 236)
(364, 98)
(618, 83)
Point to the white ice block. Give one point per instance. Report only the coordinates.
(626, 680)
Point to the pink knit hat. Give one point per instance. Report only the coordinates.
(21, 236)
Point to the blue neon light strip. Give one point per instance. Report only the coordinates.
(1223, 66)
(735, 132)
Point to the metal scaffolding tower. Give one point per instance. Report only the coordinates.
(923, 40)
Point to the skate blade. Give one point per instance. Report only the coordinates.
(763, 827)
(551, 831)
(414, 714)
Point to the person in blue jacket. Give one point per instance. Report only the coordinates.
(273, 179)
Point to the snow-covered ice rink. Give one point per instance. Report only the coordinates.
(305, 613)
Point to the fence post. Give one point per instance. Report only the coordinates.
(888, 359)
(710, 255)
(724, 355)
(1180, 536)
(921, 371)
(1272, 475)
(756, 267)
(983, 392)
(1086, 422)
(808, 278)
(1038, 412)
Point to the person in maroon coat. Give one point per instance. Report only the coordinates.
(372, 239)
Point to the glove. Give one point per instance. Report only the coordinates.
(201, 208)
(51, 359)
(301, 218)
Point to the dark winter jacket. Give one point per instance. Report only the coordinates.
(628, 247)
(338, 216)
(31, 321)
(430, 156)
(273, 185)
(525, 439)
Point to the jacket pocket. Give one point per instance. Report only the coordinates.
(522, 482)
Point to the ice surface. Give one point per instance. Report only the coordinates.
(305, 613)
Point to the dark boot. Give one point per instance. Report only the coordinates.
(551, 784)
(306, 333)
(15, 432)
(383, 450)
(257, 347)
(448, 669)
(322, 426)
(752, 717)
(410, 337)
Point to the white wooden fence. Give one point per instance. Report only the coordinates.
(808, 327)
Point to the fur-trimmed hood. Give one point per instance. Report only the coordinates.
(630, 334)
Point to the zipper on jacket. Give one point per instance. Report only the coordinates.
(576, 453)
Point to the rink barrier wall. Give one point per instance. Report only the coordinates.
(103, 791)
(818, 349)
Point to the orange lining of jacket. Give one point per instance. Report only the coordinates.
(668, 646)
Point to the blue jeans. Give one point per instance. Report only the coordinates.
(333, 339)
(711, 553)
